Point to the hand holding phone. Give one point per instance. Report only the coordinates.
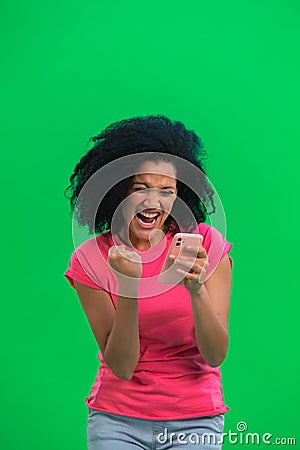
(185, 245)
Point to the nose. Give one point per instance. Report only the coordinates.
(152, 199)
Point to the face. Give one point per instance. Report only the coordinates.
(149, 201)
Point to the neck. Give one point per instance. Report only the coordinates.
(132, 241)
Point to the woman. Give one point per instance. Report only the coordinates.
(161, 346)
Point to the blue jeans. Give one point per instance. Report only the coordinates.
(107, 431)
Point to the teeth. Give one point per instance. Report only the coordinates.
(148, 223)
(150, 215)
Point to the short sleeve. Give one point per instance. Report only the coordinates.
(79, 271)
(216, 246)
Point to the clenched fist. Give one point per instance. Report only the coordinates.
(125, 262)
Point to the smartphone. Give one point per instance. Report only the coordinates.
(169, 274)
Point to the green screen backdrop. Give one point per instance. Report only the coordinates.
(229, 71)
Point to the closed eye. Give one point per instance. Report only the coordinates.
(140, 190)
(162, 192)
(165, 193)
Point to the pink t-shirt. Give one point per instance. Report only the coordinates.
(171, 380)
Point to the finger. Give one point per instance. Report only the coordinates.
(190, 266)
(189, 258)
(182, 258)
(192, 248)
(134, 256)
(121, 249)
(190, 276)
(189, 262)
(195, 250)
(112, 251)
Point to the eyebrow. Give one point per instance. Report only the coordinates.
(145, 184)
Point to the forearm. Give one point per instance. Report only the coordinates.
(122, 350)
(211, 333)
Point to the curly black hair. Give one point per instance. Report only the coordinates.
(158, 138)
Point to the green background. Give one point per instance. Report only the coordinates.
(230, 71)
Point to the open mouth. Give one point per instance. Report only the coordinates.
(147, 219)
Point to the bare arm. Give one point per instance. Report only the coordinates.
(210, 304)
(115, 330)
(122, 349)
(210, 310)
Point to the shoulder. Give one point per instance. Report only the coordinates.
(92, 254)
(215, 244)
(92, 246)
(211, 235)
(88, 262)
